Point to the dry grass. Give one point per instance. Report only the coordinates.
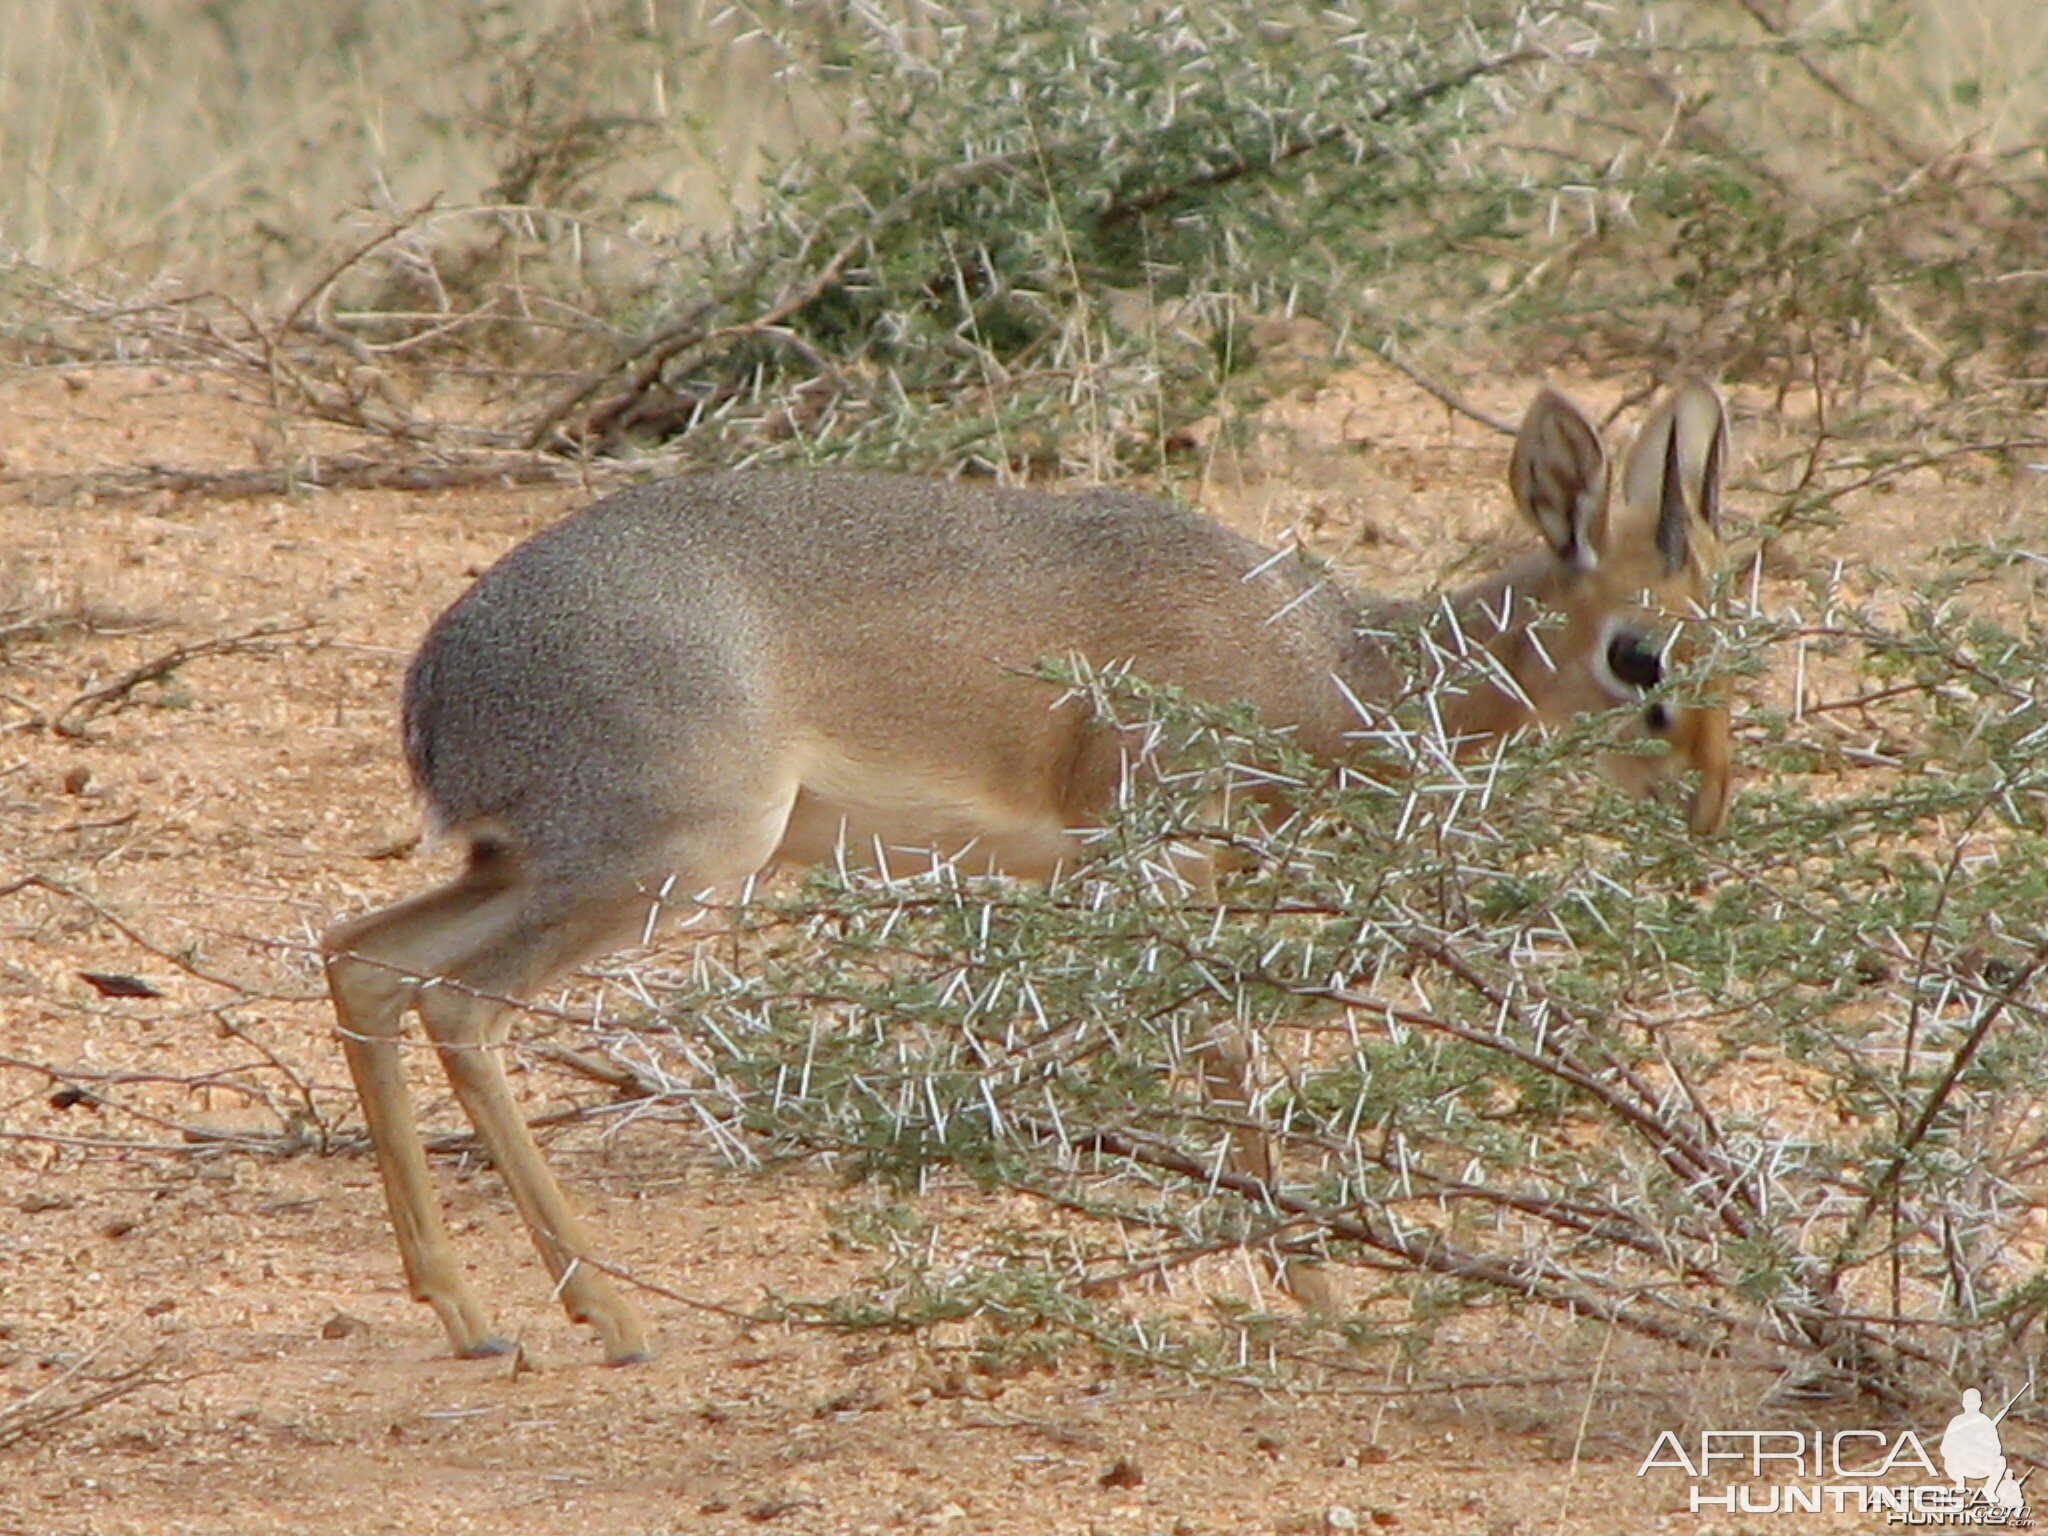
(221, 140)
(206, 139)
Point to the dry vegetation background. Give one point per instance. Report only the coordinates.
(309, 312)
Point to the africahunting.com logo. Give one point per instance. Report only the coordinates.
(1853, 1471)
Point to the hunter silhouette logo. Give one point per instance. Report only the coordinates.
(1971, 1451)
(1855, 1471)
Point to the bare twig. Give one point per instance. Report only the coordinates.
(127, 930)
(1389, 355)
(327, 472)
(74, 1392)
(72, 719)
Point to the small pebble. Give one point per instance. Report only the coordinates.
(1124, 1474)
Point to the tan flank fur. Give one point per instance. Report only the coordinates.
(691, 681)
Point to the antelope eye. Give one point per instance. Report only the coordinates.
(1632, 661)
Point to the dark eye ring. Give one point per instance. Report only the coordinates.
(1630, 658)
(1636, 665)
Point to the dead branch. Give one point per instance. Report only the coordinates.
(603, 1069)
(71, 720)
(297, 1136)
(13, 628)
(320, 287)
(1443, 392)
(75, 1392)
(349, 407)
(121, 926)
(300, 1087)
(326, 472)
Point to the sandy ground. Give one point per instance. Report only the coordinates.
(199, 832)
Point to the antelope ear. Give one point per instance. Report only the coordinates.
(1674, 469)
(1559, 478)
